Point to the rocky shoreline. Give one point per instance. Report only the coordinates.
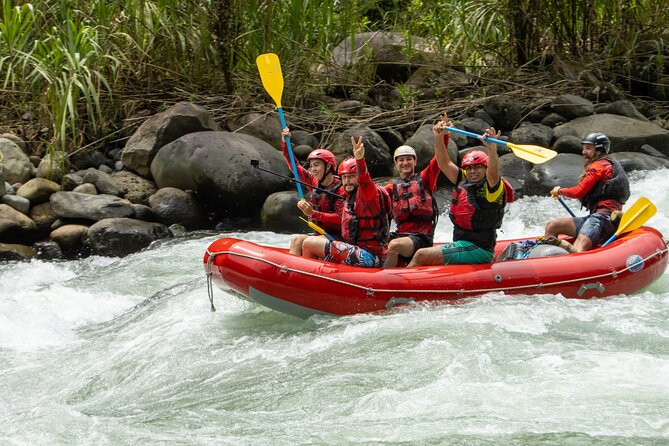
(181, 171)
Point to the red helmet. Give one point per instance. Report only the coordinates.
(349, 165)
(474, 157)
(324, 155)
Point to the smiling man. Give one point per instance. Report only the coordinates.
(477, 204)
(603, 190)
(414, 208)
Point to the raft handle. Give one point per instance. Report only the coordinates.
(399, 301)
(587, 286)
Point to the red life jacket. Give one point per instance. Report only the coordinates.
(616, 188)
(476, 219)
(414, 209)
(367, 231)
(327, 203)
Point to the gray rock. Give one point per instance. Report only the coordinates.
(70, 238)
(626, 134)
(14, 224)
(280, 213)
(103, 182)
(568, 144)
(87, 188)
(119, 237)
(640, 161)
(571, 106)
(553, 119)
(171, 205)
(38, 190)
(90, 207)
(161, 129)
(535, 134)
(563, 170)
(504, 111)
(351, 107)
(622, 108)
(53, 165)
(14, 252)
(377, 153)
(133, 187)
(70, 181)
(217, 166)
(423, 143)
(264, 126)
(300, 137)
(16, 166)
(143, 212)
(21, 204)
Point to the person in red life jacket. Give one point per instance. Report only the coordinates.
(364, 219)
(414, 208)
(324, 208)
(477, 205)
(602, 190)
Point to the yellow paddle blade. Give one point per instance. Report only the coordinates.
(533, 154)
(269, 68)
(636, 215)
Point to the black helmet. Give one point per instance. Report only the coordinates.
(601, 142)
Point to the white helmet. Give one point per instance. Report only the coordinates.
(404, 150)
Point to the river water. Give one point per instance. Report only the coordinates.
(110, 351)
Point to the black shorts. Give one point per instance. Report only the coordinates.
(419, 239)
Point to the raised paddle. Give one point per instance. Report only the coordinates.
(269, 68)
(533, 154)
(256, 164)
(317, 228)
(634, 217)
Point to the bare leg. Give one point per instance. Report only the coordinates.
(402, 246)
(559, 226)
(582, 243)
(427, 257)
(314, 247)
(296, 244)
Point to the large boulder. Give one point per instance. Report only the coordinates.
(640, 161)
(625, 133)
(161, 129)
(119, 237)
(217, 166)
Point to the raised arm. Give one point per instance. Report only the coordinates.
(446, 165)
(492, 172)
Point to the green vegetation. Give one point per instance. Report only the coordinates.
(78, 63)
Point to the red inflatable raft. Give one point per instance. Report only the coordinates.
(304, 287)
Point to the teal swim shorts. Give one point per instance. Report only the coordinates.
(464, 253)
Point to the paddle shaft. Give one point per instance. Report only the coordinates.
(296, 181)
(474, 135)
(565, 206)
(290, 154)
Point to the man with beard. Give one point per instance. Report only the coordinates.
(477, 205)
(364, 219)
(602, 190)
(325, 208)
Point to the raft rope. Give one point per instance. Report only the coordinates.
(210, 286)
(372, 291)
